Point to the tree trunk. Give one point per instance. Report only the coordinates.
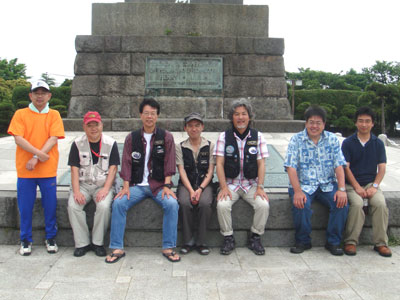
(383, 125)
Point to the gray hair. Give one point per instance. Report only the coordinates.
(238, 103)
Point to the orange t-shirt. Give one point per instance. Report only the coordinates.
(36, 129)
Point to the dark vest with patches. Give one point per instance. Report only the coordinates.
(232, 158)
(156, 157)
(196, 172)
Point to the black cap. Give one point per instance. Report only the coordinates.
(193, 116)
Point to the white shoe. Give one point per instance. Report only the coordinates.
(51, 246)
(26, 248)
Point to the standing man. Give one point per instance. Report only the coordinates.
(94, 161)
(365, 154)
(314, 163)
(195, 161)
(240, 154)
(148, 163)
(36, 130)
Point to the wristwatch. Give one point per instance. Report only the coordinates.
(35, 156)
(168, 185)
(342, 189)
(375, 185)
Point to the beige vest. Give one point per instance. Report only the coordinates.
(89, 173)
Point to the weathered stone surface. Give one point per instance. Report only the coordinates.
(138, 63)
(265, 108)
(254, 65)
(240, 86)
(122, 85)
(178, 107)
(214, 108)
(85, 85)
(272, 46)
(153, 19)
(115, 106)
(76, 124)
(79, 105)
(89, 43)
(88, 64)
(112, 44)
(8, 210)
(116, 63)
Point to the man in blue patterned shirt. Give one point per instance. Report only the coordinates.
(314, 162)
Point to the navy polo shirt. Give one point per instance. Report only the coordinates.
(364, 160)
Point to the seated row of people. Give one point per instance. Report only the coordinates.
(317, 166)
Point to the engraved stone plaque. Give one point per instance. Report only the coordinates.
(195, 73)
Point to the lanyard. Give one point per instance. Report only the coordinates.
(97, 154)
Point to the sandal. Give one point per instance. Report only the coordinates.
(118, 256)
(170, 255)
(203, 250)
(186, 249)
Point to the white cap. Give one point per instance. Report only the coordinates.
(39, 84)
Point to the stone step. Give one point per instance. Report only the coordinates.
(144, 222)
(211, 125)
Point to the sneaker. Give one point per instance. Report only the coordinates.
(228, 246)
(255, 244)
(26, 248)
(334, 249)
(51, 246)
(300, 248)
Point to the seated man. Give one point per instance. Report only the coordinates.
(94, 161)
(365, 154)
(314, 163)
(240, 154)
(195, 161)
(148, 163)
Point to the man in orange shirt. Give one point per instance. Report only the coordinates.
(36, 130)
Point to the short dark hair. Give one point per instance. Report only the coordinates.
(149, 101)
(365, 110)
(315, 110)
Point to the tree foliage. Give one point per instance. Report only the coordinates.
(384, 72)
(48, 79)
(11, 70)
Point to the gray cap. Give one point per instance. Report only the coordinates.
(193, 116)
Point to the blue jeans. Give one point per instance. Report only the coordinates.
(137, 193)
(302, 217)
(26, 197)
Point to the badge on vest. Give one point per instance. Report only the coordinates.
(159, 142)
(160, 149)
(136, 155)
(252, 143)
(230, 149)
(253, 150)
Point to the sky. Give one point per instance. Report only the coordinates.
(330, 36)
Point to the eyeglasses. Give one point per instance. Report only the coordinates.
(315, 123)
(149, 113)
(40, 94)
(362, 121)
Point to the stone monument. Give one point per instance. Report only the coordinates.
(190, 57)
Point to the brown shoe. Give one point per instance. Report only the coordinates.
(350, 249)
(383, 251)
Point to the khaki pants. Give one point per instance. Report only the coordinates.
(355, 220)
(77, 216)
(260, 206)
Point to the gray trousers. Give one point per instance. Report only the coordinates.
(77, 216)
(203, 210)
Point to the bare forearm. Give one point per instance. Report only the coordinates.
(184, 178)
(340, 176)
(75, 179)
(50, 143)
(380, 174)
(112, 171)
(261, 171)
(221, 172)
(293, 178)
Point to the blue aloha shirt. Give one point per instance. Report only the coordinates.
(315, 164)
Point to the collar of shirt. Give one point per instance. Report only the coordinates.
(44, 110)
(306, 138)
(187, 144)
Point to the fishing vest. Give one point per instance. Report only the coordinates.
(196, 172)
(232, 157)
(89, 173)
(157, 156)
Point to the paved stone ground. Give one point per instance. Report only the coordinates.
(145, 274)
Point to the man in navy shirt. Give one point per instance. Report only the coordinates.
(366, 160)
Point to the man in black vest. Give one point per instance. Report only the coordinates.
(240, 158)
(195, 161)
(148, 163)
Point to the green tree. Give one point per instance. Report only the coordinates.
(385, 99)
(67, 82)
(49, 80)
(11, 70)
(384, 72)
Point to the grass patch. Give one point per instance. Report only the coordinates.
(394, 241)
